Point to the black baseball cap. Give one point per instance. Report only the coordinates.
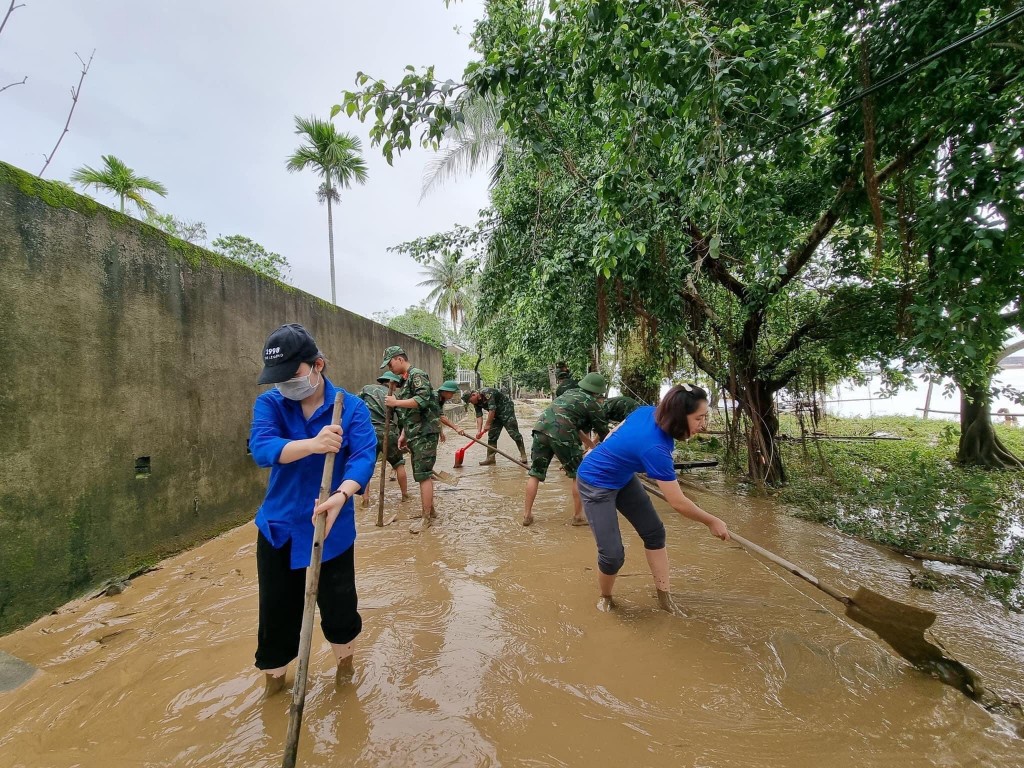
(286, 348)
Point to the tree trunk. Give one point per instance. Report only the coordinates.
(979, 444)
(330, 240)
(764, 462)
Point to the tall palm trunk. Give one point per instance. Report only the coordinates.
(121, 197)
(330, 239)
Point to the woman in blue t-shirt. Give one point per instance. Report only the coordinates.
(608, 482)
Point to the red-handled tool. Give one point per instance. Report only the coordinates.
(461, 453)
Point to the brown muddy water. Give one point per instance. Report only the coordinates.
(482, 646)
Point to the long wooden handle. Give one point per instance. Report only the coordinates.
(499, 452)
(291, 745)
(384, 458)
(750, 546)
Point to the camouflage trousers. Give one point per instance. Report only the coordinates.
(424, 454)
(395, 457)
(508, 422)
(545, 447)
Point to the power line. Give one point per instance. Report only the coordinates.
(903, 73)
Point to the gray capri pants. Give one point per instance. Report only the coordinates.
(600, 504)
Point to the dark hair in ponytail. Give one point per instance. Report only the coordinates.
(678, 403)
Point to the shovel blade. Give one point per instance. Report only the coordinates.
(460, 455)
(902, 627)
(446, 477)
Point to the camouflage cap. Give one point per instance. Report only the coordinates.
(388, 377)
(449, 386)
(467, 395)
(594, 383)
(389, 353)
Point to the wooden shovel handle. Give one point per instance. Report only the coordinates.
(384, 458)
(750, 546)
(312, 583)
(499, 452)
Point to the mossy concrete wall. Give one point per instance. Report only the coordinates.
(118, 342)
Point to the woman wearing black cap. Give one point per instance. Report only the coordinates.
(291, 433)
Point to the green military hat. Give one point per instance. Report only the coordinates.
(389, 353)
(449, 386)
(594, 383)
(387, 377)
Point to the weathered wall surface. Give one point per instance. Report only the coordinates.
(118, 342)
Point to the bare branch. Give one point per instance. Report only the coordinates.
(22, 82)
(7, 15)
(75, 93)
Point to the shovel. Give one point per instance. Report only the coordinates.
(899, 625)
(384, 458)
(461, 453)
(491, 448)
(291, 745)
(444, 477)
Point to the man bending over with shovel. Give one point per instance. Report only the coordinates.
(562, 431)
(292, 433)
(501, 414)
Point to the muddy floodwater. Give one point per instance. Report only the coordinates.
(482, 646)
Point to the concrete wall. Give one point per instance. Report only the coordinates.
(118, 342)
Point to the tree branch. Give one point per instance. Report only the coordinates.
(798, 258)
(1011, 318)
(11, 85)
(75, 92)
(715, 268)
(1009, 349)
(7, 15)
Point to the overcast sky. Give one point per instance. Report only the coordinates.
(201, 94)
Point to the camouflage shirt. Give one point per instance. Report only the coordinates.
(373, 395)
(426, 419)
(565, 384)
(616, 409)
(575, 411)
(492, 399)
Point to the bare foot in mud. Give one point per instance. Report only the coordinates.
(667, 603)
(606, 604)
(579, 521)
(406, 497)
(433, 514)
(274, 685)
(527, 521)
(346, 671)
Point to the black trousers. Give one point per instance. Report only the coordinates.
(282, 593)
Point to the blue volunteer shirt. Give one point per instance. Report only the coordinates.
(287, 510)
(638, 445)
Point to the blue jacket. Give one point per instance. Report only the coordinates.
(287, 510)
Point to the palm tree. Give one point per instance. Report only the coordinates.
(334, 157)
(448, 278)
(475, 142)
(117, 178)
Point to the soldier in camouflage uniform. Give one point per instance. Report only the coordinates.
(501, 414)
(420, 409)
(373, 395)
(564, 379)
(561, 431)
(419, 421)
(616, 409)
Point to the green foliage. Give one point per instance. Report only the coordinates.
(650, 182)
(420, 324)
(190, 231)
(120, 180)
(246, 251)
